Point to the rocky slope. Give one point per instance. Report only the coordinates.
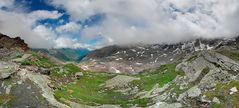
(15, 90)
(210, 72)
(195, 74)
(12, 43)
(136, 58)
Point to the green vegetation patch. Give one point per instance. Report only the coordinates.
(222, 92)
(89, 90)
(143, 102)
(5, 98)
(176, 89)
(67, 70)
(163, 75)
(233, 54)
(64, 74)
(55, 72)
(71, 68)
(38, 60)
(216, 105)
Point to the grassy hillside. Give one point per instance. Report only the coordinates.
(89, 88)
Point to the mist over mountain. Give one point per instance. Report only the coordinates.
(95, 24)
(119, 53)
(194, 73)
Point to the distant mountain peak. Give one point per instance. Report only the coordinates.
(66, 54)
(139, 57)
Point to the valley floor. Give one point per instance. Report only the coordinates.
(203, 79)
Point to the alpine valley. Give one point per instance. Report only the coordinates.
(200, 73)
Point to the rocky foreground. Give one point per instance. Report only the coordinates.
(193, 74)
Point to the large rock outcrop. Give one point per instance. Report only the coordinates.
(8, 42)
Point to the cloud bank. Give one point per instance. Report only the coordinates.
(17, 22)
(156, 21)
(122, 22)
(24, 25)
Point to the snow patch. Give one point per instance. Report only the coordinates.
(84, 67)
(115, 70)
(233, 90)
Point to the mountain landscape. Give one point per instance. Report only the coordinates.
(199, 73)
(119, 54)
(65, 54)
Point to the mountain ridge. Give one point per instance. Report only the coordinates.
(150, 55)
(65, 54)
(192, 74)
(17, 42)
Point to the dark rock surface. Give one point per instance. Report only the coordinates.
(7, 42)
(29, 95)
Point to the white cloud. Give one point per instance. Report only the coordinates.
(79, 9)
(66, 42)
(25, 25)
(125, 22)
(44, 14)
(45, 32)
(69, 27)
(6, 3)
(156, 21)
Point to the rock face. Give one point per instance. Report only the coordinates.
(42, 83)
(205, 72)
(166, 105)
(194, 92)
(78, 75)
(4, 52)
(43, 71)
(9, 43)
(6, 69)
(136, 58)
(21, 88)
(193, 69)
(23, 94)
